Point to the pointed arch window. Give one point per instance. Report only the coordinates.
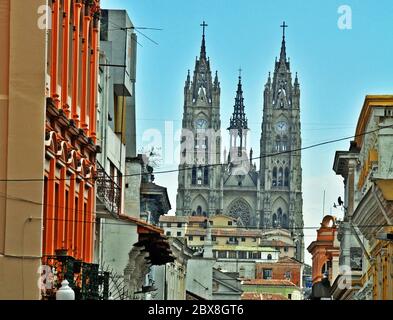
(280, 177)
(206, 176)
(284, 144)
(274, 180)
(278, 143)
(279, 217)
(199, 175)
(285, 221)
(286, 177)
(274, 222)
(193, 175)
(199, 211)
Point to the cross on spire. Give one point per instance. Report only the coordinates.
(203, 25)
(283, 26)
(240, 72)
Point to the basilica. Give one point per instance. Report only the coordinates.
(261, 191)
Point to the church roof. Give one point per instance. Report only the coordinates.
(262, 296)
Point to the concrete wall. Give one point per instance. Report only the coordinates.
(22, 118)
(119, 239)
(199, 279)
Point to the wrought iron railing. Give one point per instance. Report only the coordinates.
(87, 281)
(108, 191)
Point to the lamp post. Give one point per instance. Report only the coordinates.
(65, 292)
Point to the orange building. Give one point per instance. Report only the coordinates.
(325, 251)
(284, 269)
(69, 193)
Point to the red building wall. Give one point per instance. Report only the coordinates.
(69, 193)
(279, 270)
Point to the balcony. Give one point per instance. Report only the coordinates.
(108, 191)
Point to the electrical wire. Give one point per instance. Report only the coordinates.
(218, 164)
(249, 228)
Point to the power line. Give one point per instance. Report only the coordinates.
(249, 228)
(217, 164)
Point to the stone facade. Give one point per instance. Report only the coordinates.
(213, 181)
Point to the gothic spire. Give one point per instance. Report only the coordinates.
(238, 119)
(203, 45)
(283, 53)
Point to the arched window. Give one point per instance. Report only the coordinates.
(279, 217)
(269, 257)
(193, 178)
(199, 175)
(274, 180)
(285, 221)
(274, 222)
(278, 143)
(206, 176)
(199, 210)
(280, 177)
(286, 177)
(284, 144)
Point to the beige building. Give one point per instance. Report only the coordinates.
(22, 122)
(368, 177)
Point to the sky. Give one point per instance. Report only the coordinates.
(342, 51)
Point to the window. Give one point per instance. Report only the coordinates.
(206, 176)
(222, 254)
(274, 222)
(229, 223)
(284, 144)
(289, 296)
(178, 234)
(286, 177)
(199, 175)
(202, 238)
(243, 239)
(278, 143)
(168, 224)
(193, 178)
(285, 221)
(269, 257)
(280, 177)
(199, 210)
(232, 255)
(168, 233)
(214, 238)
(242, 254)
(288, 275)
(179, 224)
(256, 255)
(285, 249)
(274, 180)
(190, 238)
(267, 274)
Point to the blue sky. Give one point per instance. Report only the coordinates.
(336, 68)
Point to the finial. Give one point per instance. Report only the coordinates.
(283, 26)
(203, 25)
(240, 72)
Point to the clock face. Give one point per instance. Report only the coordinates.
(201, 124)
(281, 126)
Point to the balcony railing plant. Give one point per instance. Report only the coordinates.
(108, 191)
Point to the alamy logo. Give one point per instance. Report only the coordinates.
(345, 19)
(44, 21)
(46, 278)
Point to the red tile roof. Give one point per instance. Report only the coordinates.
(262, 296)
(268, 283)
(182, 219)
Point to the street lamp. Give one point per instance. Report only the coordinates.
(65, 292)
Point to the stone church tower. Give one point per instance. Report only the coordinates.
(280, 170)
(270, 198)
(201, 141)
